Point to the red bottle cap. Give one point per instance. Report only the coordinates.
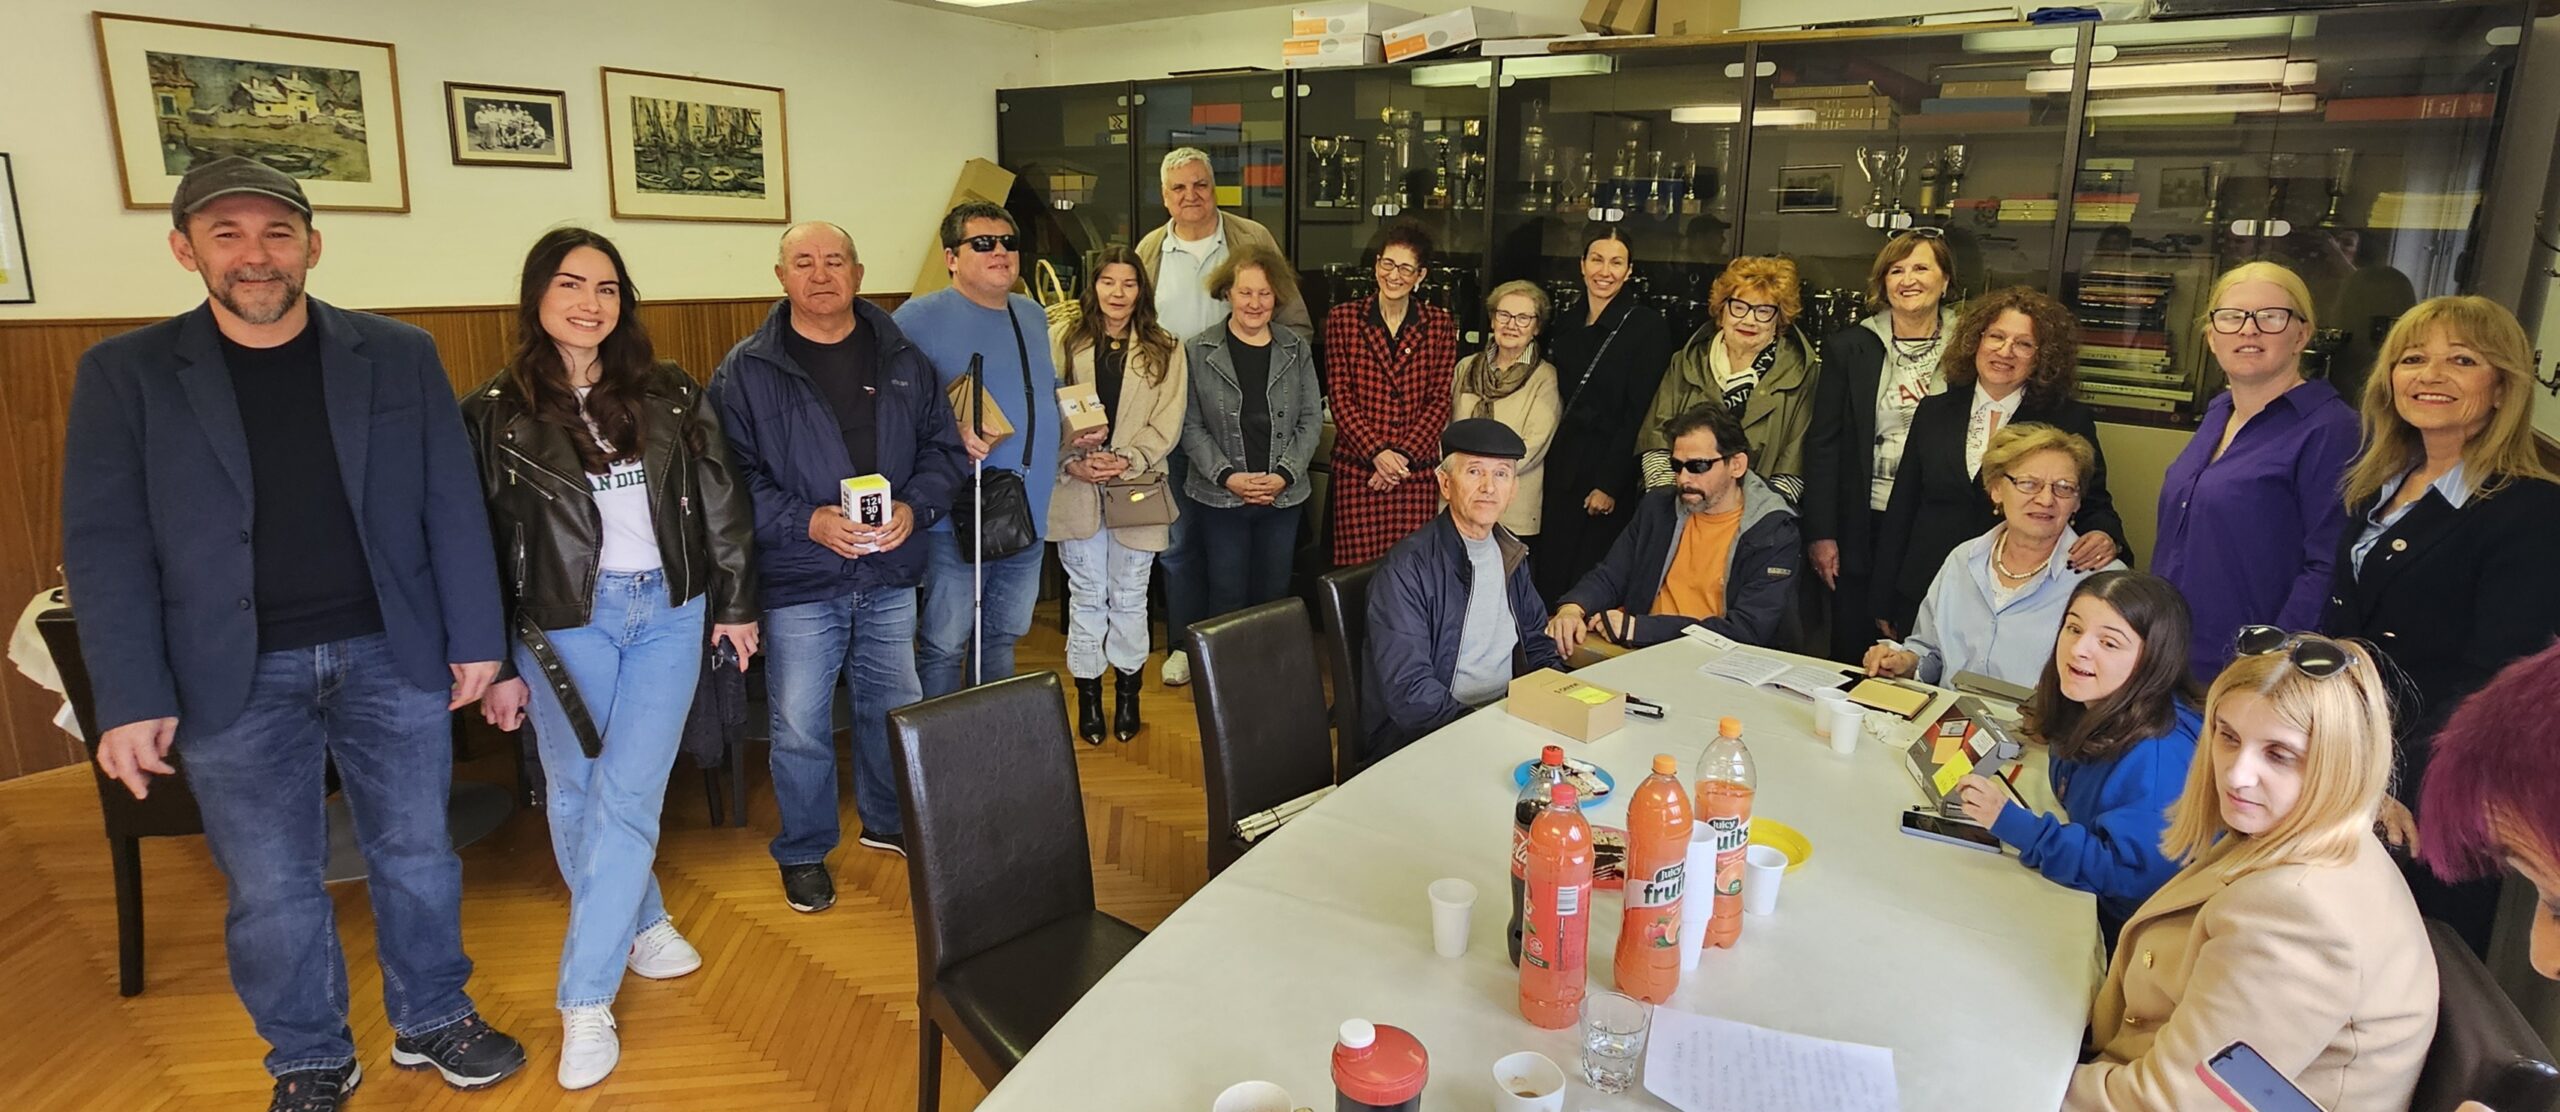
(1564, 796)
(1379, 1065)
(1551, 755)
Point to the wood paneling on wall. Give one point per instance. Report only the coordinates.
(37, 362)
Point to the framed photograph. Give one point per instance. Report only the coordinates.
(324, 110)
(500, 125)
(17, 287)
(1809, 188)
(691, 148)
(2182, 189)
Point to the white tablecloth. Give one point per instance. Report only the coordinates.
(1974, 970)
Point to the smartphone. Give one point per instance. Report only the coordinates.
(1955, 832)
(2248, 1083)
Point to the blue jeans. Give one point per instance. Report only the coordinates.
(1013, 586)
(1249, 550)
(1186, 585)
(808, 647)
(635, 662)
(1106, 604)
(258, 782)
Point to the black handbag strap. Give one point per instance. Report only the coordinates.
(1030, 401)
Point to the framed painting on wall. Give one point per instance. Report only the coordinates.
(17, 287)
(692, 148)
(324, 110)
(501, 125)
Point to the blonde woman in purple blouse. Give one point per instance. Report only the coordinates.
(2250, 511)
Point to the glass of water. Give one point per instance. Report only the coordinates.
(1613, 1031)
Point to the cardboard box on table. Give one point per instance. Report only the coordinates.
(1578, 710)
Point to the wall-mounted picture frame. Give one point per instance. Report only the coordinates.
(504, 125)
(695, 148)
(324, 110)
(17, 286)
(1809, 188)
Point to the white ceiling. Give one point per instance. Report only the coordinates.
(1063, 15)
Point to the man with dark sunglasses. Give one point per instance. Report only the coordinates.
(1718, 548)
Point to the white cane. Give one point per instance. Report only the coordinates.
(977, 524)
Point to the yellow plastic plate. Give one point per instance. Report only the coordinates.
(1784, 839)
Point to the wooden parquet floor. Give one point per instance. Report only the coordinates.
(789, 1011)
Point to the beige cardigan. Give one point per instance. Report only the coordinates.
(1146, 428)
(2324, 969)
(1533, 411)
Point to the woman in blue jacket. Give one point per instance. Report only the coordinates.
(2117, 709)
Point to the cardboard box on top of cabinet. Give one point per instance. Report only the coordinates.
(1347, 19)
(980, 180)
(1315, 51)
(1696, 17)
(1618, 17)
(1434, 33)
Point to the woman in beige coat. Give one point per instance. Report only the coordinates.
(2290, 928)
(1508, 382)
(1115, 346)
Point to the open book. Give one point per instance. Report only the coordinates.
(1739, 663)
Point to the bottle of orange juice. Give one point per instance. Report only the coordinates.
(1555, 943)
(1657, 865)
(1725, 785)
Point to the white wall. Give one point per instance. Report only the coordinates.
(882, 100)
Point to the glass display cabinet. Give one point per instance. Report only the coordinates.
(1242, 120)
(1074, 173)
(1382, 145)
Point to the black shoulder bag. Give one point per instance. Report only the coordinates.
(992, 516)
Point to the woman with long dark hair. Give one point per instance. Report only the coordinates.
(620, 528)
(1609, 353)
(1138, 369)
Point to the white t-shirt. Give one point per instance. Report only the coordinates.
(1907, 376)
(1988, 417)
(630, 540)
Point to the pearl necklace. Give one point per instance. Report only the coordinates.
(1999, 562)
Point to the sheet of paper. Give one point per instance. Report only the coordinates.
(1762, 670)
(1700, 1064)
(1711, 639)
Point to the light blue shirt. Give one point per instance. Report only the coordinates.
(1183, 304)
(2453, 485)
(1487, 635)
(1960, 628)
(949, 328)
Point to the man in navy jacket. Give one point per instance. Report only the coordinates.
(279, 557)
(827, 390)
(1453, 614)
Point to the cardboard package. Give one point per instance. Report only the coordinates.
(1315, 51)
(992, 419)
(1347, 19)
(980, 180)
(1081, 405)
(1568, 706)
(1435, 33)
(1618, 17)
(865, 499)
(1696, 17)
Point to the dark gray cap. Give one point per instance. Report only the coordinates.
(1482, 436)
(224, 177)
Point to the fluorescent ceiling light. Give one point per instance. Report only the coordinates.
(1732, 114)
(2040, 40)
(1558, 65)
(1451, 75)
(2165, 75)
(2203, 104)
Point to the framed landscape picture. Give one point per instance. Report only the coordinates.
(691, 148)
(17, 287)
(323, 110)
(500, 125)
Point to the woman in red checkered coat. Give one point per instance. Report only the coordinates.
(1389, 361)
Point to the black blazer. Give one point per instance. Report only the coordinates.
(1839, 456)
(1936, 506)
(1595, 441)
(2450, 596)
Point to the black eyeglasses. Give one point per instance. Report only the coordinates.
(2270, 320)
(1737, 308)
(1701, 465)
(1390, 266)
(2313, 655)
(984, 244)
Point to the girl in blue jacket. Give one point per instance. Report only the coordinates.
(2117, 709)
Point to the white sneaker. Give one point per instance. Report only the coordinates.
(1177, 668)
(589, 1048)
(661, 953)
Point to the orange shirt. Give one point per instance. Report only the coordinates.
(1694, 587)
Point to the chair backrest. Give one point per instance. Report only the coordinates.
(994, 816)
(2484, 1048)
(1262, 721)
(1342, 600)
(170, 810)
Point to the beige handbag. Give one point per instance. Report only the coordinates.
(1145, 499)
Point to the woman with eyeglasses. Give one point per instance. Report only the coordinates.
(1874, 374)
(1998, 598)
(2249, 512)
(1249, 431)
(1751, 360)
(2453, 515)
(1508, 382)
(1388, 360)
(2287, 926)
(1608, 354)
(2013, 359)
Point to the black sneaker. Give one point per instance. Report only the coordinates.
(468, 1052)
(808, 887)
(893, 843)
(315, 1090)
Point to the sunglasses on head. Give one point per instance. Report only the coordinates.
(1699, 466)
(984, 244)
(2311, 654)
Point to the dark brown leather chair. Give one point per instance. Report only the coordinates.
(1262, 719)
(1342, 600)
(169, 811)
(999, 872)
(2484, 1048)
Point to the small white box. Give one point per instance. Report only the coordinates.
(1347, 19)
(866, 500)
(1318, 51)
(1432, 34)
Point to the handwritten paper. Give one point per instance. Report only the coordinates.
(1699, 1064)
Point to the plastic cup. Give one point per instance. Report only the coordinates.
(1763, 867)
(1453, 904)
(1253, 1096)
(1823, 701)
(1848, 723)
(1697, 896)
(1527, 1082)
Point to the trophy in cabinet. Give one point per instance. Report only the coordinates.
(1876, 165)
(1950, 178)
(2342, 162)
(1472, 187)
(1691, 204)
(2215, 173)
(1325, 171)
(1536, 161)
(1347, 170)
(1395, 160)
(1930, 171)
(1441, 189)
(2279, 183)
(1901, 175)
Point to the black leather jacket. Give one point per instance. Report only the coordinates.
(548, 530)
